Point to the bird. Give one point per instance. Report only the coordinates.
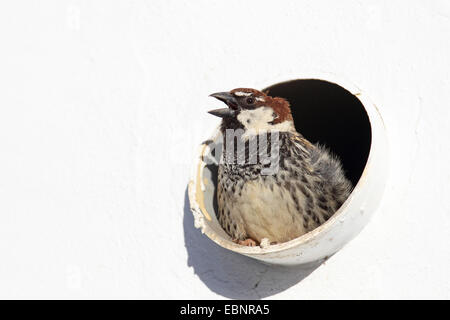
(307, 186)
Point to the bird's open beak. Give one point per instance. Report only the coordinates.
(229, 100)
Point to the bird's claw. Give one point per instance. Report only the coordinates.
(247, 242)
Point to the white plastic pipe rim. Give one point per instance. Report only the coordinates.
(332, 235)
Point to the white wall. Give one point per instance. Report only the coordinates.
(103, 104)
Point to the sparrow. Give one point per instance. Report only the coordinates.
(306, 188)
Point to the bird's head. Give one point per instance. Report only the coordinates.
(250, 109)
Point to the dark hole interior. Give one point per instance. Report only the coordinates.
(325, 112)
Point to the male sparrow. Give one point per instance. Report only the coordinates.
(259, 200)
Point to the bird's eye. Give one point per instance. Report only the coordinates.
(250, 100)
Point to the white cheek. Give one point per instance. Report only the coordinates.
(257, 121)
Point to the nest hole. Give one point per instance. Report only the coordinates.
(323, 113)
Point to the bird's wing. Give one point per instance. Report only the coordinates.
(302, 143)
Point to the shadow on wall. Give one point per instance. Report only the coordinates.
(233, 275)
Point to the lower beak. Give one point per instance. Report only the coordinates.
(222, 113)
(229, 100)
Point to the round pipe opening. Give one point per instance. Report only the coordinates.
(350, 126)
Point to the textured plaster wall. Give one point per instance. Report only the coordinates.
(103, 104)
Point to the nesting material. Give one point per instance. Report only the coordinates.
(264, 243)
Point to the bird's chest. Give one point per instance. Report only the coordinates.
(265, 207)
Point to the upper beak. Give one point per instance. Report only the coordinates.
(230, 101)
